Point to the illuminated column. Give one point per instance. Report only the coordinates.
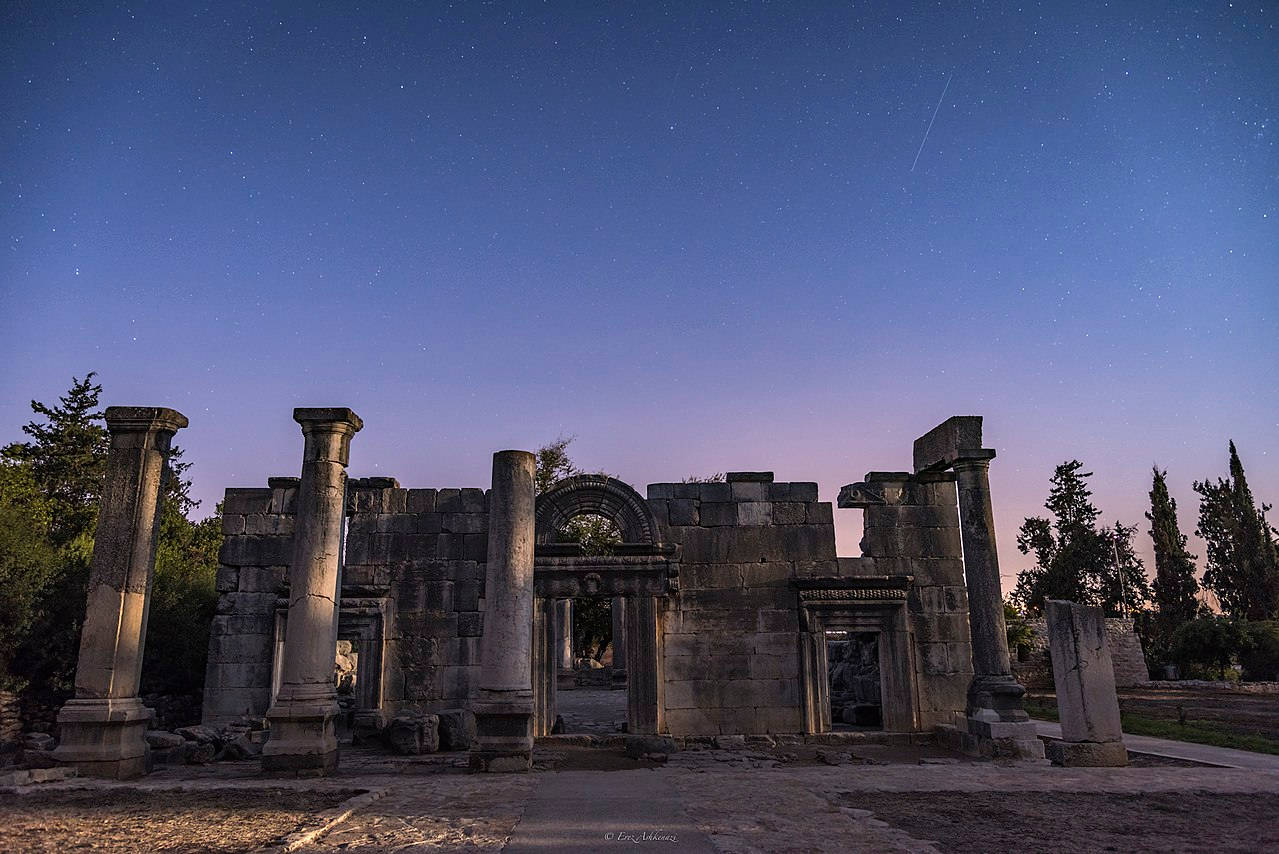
(103, 728)
(303, 739)
(504, 705)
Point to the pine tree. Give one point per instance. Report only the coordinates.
(1242, 566)
(1073, 559)
(1175, 588)
(67, 456)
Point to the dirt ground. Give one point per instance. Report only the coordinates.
(132, 820)
(1050, 822)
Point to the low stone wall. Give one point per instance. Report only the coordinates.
(1034, 670)
(10, 717)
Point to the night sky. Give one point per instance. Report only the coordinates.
(691, 236)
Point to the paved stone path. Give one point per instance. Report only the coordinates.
(1224, 757)
(591, 811)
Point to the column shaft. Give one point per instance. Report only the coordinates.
(504, 706)
(564, 632)
(103, 728)
(981, 569)
(303, 738)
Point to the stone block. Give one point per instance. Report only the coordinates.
(1086, 754)
(707, 620)
(241, 502)
(789, 513)
(430, 523)
(448, 501)
(232, 524)
(778, 620)
(806, 542)
(414, 734)
(660, 491)
(709, 576)
(702, 646)
(263, 579)
(227, 579)
(686, 667)
(775, 643)
(456, 729)
(774, 666)
(754, 544)
(420, 501)
(779, 719)
(941, 627)
(714, 492)
(819, 513)
(466, 596)
(691, 722)
(248, 551)
(748, 490)
(749, 477)
(799, 491)
(773, 574)
(473, 501)
(755, 513)
(683, 511)
(470, 624)
(247, 603)
(934, 658)
(1082, 672)
(714, 513)
(463, 523)
(955, 438)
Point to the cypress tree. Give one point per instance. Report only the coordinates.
(1242, 568)
(1175, 587)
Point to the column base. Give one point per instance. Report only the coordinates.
(503, 734)
(303, 740)
(1088, 754)
(105, 737)
(996, 725)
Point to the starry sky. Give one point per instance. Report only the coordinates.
(697, 237)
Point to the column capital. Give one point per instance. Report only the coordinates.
(973, 460)
(327, 418)
(143, 419)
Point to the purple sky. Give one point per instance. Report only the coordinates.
(691, 237)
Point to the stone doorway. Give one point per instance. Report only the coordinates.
(852, 663)
(635, 573)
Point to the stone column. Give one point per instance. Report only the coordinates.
(1085, 681)
(103, 728)
(997, 723)
(303, 740)
(619, 640)
(504, 702)
(564, 632)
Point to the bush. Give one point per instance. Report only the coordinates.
(1206, 643)
(1259, 652)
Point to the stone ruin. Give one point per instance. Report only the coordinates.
(730, 597)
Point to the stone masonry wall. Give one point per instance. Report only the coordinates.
(422, 549)
(1035, 672)
(915, 531)
(730, 644)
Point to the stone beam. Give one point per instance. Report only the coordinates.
(956, 438)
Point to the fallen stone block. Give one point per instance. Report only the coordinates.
(161, 740)
(457, 729)
(411, 735)
(38, 741)
(201, 735)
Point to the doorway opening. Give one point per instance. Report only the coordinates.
(852, 662)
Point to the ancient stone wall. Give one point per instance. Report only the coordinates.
(730, 639)
(1033, 667)
(911, 527)
(421, 550)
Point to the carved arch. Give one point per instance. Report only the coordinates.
(598, 495)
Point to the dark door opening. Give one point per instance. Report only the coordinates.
(852, 663)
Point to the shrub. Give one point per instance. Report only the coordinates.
(1206, 643)
(1259, 652)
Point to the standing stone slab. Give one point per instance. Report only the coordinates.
(303, 736)
(103, 727)
(1085, 680)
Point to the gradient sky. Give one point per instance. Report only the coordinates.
(691, 236)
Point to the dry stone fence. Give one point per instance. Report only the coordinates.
(729, 596)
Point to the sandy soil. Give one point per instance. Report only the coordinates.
(1032, 822)
(130, 820)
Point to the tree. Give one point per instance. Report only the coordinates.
(553, 464)
(717, 477)
(67, 456)
(1122, 586)
(1175, 588)
(183, 596)
(27, 562)
(1207, 642)
(1242, 561)
(1073, 559)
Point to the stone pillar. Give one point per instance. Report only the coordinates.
(504, 702)
(619, 640)
(1085, 682)
(303, 740)
(646, 685)
(544, 659)
(103, 728)
(997, 723)
(564, 632)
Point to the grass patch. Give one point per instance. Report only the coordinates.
(1195, 732)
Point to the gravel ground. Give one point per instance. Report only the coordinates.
(129, 820)
(1050, 822)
